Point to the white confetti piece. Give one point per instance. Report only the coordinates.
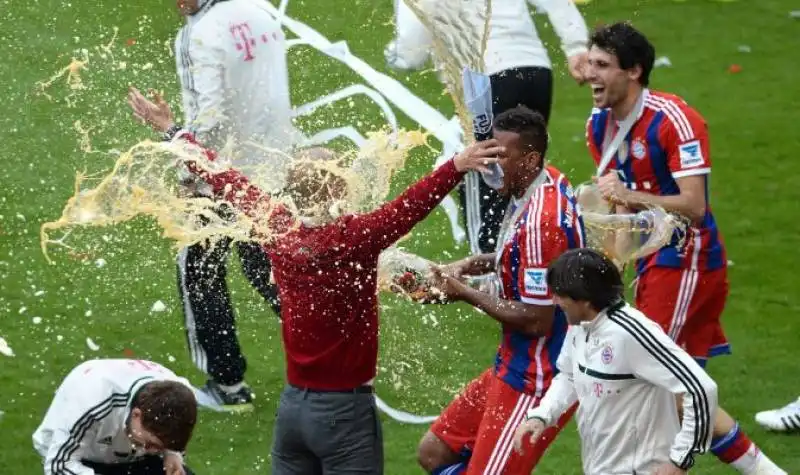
(662, 62)
(59, 337)
(170, 358)
(39, 293)
(744, 49)
(88, 313)
(91, 344)
(794, 14)
(37, 320)
(4, 348)
(22, 310)
(158, 307)
(100, 263)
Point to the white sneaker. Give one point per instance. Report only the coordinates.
(785, 419)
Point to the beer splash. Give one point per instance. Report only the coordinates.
(460, 31)
(145, 182)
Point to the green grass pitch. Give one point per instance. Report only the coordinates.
(424, 360)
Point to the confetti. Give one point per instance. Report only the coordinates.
(662, 62)
(158, 307)
(4, 348)
(91, 344)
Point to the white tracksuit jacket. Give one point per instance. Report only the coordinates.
(624, 371)
(231, 60)
(88, 416)
(513, 41)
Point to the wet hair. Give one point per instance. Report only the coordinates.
(629, 45)
(530, 125)
(169, 411)
(585, 275)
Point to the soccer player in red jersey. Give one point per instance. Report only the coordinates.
(474, 433)
(652, 148)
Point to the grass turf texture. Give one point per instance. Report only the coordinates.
(752, 117)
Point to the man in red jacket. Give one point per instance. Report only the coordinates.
(327, 279)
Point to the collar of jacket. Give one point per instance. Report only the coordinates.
(204, 6)
(590, 325)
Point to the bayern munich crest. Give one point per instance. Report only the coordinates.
(638, 149)
(607, 355)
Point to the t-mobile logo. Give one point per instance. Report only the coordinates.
(244, 39)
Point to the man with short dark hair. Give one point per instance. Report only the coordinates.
(118, 417)
(473, 433)
(623, 371)
(656, 150)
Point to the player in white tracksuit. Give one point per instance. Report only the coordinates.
(520, 71)
(624, 372)
(231, 60)
(117, 417)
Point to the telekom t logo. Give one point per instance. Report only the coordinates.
(244, 39)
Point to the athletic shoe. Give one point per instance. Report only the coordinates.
(237, 401)
(785, 419)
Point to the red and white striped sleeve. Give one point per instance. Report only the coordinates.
(540, 242)
(684, 136)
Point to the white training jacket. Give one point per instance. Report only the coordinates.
(88, 416)
(513, 40)
(624, 371)
(231, 60)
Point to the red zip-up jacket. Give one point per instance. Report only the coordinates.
(327, 275)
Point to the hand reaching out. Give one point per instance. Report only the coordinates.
(155, 113)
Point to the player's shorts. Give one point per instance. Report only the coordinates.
(483, 419)
(688, 305)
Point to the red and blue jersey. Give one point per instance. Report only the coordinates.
(549, 225)
(668, 141)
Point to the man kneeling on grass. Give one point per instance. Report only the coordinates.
(118, 417)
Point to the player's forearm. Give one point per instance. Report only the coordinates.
(699, 414)
(686, 205)
(384, 226)
(230, 185)
(527, 318)
(568, 24)
(481, 264)
(58, 463)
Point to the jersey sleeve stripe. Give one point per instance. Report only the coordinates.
(678, 369)
(533, 301)
(675, 115)
(692, 172)
(561, 198)
(59, 463)
(534, 254)
(539, 212)
(188, 77)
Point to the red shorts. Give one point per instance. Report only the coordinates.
(483, 419)
(688, 305)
